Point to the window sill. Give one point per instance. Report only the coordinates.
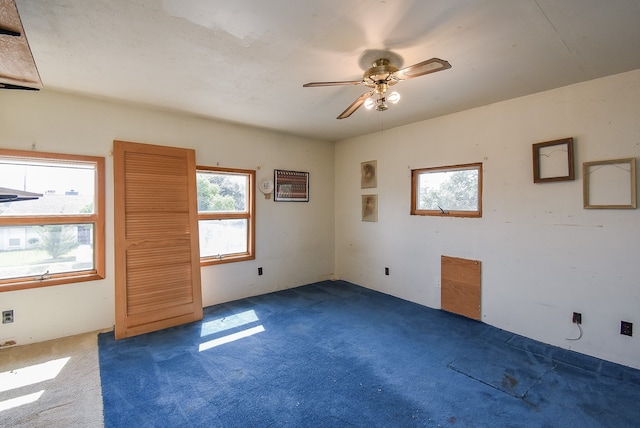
(448, 214)
(30, 284)
(226, 259)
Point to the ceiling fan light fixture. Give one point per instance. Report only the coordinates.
(369, 103)
(393, 97)
(382, 106)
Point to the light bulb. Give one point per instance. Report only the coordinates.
(393, 97)
(369, 103)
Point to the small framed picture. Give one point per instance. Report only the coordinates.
(368, 175)
(291, 186)
(609, 184)
(369, 207)
(553, 161)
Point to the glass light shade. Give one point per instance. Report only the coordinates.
(393, 97)
(369, 103)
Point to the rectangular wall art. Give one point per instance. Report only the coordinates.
(368, 174)
(369, 207)
(291, 186)
(553, 161)
(610, 183)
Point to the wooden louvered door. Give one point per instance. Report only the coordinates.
(157, 259)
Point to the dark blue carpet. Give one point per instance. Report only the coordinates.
(334, 354)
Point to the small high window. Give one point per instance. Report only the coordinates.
(454, 191)
(226, 222)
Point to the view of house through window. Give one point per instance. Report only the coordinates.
(225, 214)
(451, 190)
(50, 220)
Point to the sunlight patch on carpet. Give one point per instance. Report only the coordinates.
(230, 338)
(52, 383)
(20, 401)
(234, 321)
(30, 375)
(227, 323)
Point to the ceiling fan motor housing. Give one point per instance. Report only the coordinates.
(379, 76)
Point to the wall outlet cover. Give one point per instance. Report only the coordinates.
(7, 317)
(626, 328)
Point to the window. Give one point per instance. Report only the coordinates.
(454, 191)
(226, 222)
(52, 214)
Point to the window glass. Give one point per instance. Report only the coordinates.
(453, 190)
(219, 192)
(47, 250)
(219, 237)
(66, 188)
(226, 198)
(51, 208)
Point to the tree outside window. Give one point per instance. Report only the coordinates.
(226, 200)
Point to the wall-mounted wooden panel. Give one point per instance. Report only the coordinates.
(156, 238)
(460, 286)
(17, 68)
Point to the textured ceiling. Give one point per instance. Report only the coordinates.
(245, 61)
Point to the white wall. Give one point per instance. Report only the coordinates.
(543, 256)
(294, 241)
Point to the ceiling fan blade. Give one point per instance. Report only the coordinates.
(18, 87)
(420, 69)
(346, 82)
(7, 32)
(355, 105)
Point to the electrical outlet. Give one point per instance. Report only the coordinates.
(7, 316)
(386, 271)
(626, 328)
(259, 271)
(577, 318)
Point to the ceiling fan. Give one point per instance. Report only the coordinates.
(379, 78)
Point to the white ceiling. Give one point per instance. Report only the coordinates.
(245, 61)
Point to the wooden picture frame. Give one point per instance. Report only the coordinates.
(610, 184)
(290, 186)
(553, 161)
(370, 208)
(369, 174)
